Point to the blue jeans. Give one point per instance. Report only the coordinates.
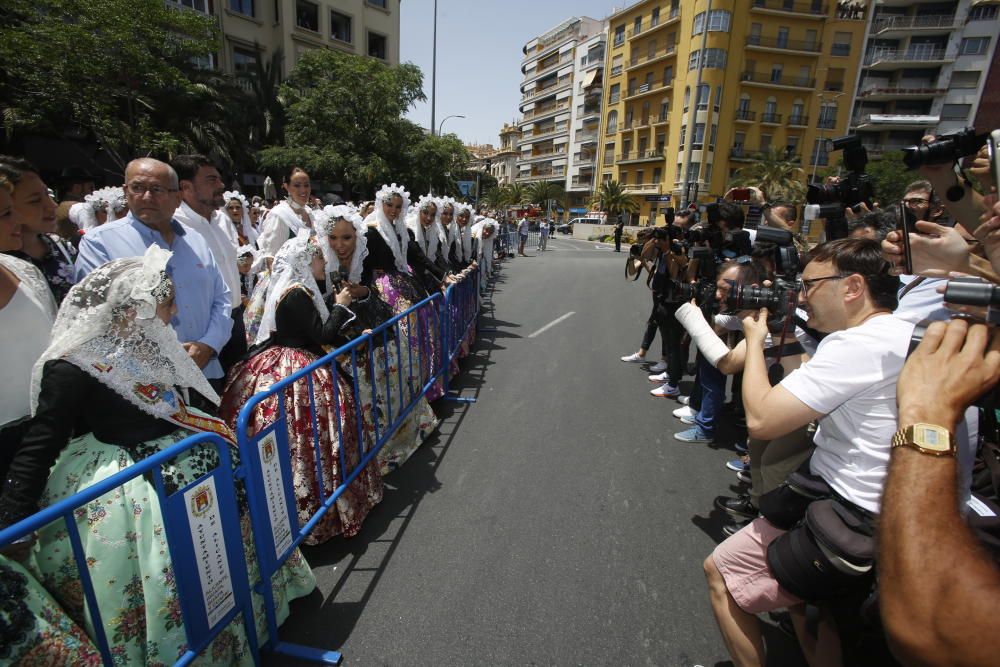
(713, 387)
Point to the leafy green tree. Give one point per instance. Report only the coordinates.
(545, 193)
(514, 194)
(344, 119)
(612, 199)
(890, 177)
(109, 69)
(779, 178)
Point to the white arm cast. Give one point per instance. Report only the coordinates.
(709, 344)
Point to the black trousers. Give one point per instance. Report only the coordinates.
(236, 348)
(672, 332)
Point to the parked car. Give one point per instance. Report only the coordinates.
(586, 221)
(565, 228)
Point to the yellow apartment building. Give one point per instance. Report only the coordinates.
(753, 74)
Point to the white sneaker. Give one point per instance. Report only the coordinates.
(659, 378)
(684, 400)
(634, 358)
(666, 391)
(683, 412)
(659, 366)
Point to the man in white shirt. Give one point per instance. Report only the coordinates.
(201, 189)
(849, 387)
(522, 232)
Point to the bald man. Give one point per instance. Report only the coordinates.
(203, 300)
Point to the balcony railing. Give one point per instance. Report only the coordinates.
(638, 156)
(583, 180)
(807, 7)
(899, 91)
(543, 111)
(668, 50)
(646, 88)
(657, 23)
(888, 23)
(911, 54)
(798, 120)
(642, 188)
(746, 115)
(826, 123)
(781, 43)
(771, 118)
(586, 136)
(773, 79)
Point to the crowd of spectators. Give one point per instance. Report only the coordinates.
(137, 315)
(860, 371)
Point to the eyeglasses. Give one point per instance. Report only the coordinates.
(140, 190)
(808, 283)
(916, 201)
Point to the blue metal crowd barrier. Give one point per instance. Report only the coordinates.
(266, 453)
(209, 602)
(266, 472)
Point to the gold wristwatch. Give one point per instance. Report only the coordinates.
(926, 439)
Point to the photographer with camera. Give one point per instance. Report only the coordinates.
(849, 387)
(663, 257)
(715, 360)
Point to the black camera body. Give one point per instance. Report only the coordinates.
(780, 299)
(945, 149)
(855, 188)
(699, 282)
(786, 256)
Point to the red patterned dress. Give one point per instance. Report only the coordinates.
(296, 343)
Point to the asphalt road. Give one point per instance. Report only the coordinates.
(555, 521)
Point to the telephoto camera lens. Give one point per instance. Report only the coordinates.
(944, 149)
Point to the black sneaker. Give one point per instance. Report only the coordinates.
(738, 507)
(731, 529)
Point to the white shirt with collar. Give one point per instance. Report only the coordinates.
(222, 240)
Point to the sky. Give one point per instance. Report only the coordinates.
(479, 56)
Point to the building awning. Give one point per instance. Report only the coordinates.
(578, 210)
(591, 77)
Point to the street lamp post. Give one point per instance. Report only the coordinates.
(455, 115)
(439, 133)
(819, 126)
(434, 62)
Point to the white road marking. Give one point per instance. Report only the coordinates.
(553, 323)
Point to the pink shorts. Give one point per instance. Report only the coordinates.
(742, 561)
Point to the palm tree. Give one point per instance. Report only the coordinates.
(612, 199)
(494, 198)
(544, 193)
(771, 171)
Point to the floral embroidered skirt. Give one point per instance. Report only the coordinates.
(382, 402)
(34, 630)
(262, 371)
(125, 542)
(423, 330)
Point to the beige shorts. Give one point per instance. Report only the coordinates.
(742, 561)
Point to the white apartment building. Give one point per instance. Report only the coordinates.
(924, 69)
(551, 91)
(588, 91)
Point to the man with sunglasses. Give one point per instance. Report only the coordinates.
(849, 388)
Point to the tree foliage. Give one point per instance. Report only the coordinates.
(545, 193)
(611, 198)
(890, 177)
(120, 71)
(345, 123)
(779, 178)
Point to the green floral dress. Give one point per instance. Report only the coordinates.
(34, 630)
(123, 535)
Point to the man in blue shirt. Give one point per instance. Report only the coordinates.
(203, 301)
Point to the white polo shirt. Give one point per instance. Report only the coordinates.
(852, 380)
